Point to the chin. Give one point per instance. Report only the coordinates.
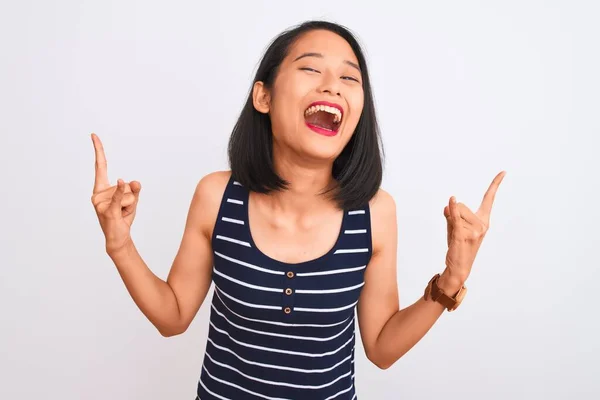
(320, 150)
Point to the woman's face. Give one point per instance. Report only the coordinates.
(317, 97)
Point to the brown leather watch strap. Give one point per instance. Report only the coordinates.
(438, 295)
(435, 293)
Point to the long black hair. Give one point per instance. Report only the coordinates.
(358, 169)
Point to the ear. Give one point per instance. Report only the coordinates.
(261, 97)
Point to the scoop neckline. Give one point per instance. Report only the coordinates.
(283, 263)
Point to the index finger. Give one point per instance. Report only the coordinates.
(101, 179)
(488, 198)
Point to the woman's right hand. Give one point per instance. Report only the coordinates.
(114, 205)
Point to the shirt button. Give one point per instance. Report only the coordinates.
(290, 274)
(288, 291)
(287, 310)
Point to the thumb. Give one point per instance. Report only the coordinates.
(446, 212)
(115, 203)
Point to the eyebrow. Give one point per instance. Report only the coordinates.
(319, 55)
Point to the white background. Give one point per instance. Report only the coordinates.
(463, 90)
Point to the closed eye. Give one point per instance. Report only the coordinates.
(350, 78)
(309, 69)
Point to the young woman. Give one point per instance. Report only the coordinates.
(295, 237)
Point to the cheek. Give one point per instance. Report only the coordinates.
(286, 106)
(288, 94)
(284, 116)
(356, 103)
(292, 86)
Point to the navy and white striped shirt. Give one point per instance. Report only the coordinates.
(279, 330)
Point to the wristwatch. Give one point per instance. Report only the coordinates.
(435, 293)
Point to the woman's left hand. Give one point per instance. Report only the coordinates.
(466, 231)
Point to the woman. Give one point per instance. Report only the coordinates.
(295, 237)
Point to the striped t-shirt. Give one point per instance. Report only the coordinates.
(279, 330)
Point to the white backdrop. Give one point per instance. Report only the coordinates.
(463, 90)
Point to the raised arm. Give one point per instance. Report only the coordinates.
(172, 304)
(387, 331)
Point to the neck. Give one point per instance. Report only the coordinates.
(307, 181)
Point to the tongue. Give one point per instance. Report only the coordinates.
(322, 119)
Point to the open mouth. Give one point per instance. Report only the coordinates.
(323, 118)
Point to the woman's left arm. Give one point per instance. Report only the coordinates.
(387, 331)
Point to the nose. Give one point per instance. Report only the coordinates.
(330, 84)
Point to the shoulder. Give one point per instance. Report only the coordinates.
(207, 198)
(212, 186)
(382, 206)
(383, 219)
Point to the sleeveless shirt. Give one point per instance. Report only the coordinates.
(279, 330)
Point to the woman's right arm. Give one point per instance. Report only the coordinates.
(172, 304)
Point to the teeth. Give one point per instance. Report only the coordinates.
(332, 110)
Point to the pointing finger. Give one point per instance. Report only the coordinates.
(101, 178)
(488, 199)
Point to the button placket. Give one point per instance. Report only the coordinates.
(288, 293)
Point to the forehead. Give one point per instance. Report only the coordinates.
(330, 44)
